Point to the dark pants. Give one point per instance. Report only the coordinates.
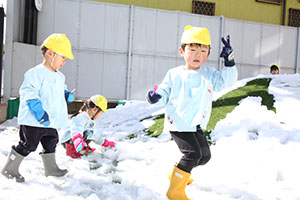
(31, 136)
(194, 147)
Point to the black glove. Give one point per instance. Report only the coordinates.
(227, 52)
(152, 97)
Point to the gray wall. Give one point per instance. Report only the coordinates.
(122, 51)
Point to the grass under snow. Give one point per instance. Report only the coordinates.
(225, 104)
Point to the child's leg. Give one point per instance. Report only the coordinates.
(71, 151)
(29, 139)
(178, 182)
(206, 155)
(49, 140)
(189, 145)
(11, 168)
(51, 168)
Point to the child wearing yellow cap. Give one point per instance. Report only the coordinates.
(82, 128)
(43, 108)
(186, 92)
(274, 69)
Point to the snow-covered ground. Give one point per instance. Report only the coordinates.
(256, 156)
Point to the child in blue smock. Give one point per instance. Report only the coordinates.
(43, 108)
(82, 128)
(186, 92)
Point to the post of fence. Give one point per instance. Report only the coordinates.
(2, 15)
(297, 49)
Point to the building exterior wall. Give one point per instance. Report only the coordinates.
(249, 10)
(128, 49)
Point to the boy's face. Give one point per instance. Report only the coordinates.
(55, 61)
(59, 61)
(275, 71)
(194, 55)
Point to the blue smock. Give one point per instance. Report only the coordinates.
(82, 123)
(188, 94)
(47, 86)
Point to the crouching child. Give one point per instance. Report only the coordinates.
(82, 128)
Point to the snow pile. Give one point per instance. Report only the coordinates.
(255, 156)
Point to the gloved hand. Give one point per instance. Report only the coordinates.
(227, 52)
(152, 97)
(78, 142)
(45, 119)
(69, 96)
(88, 149)
(35, 106)
(108, 143)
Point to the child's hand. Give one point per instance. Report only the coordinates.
(227, 52)
(36, 108)
(109, 143)
(152, 97)
(69, 96)
(78, 142)
(45, 120)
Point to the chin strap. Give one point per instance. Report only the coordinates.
(52, 60)
(96, 113)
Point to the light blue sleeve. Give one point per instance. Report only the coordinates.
(35, 106)
(77, 124)
(31, 85)
(164, 89)
(80, 124)
(96, 136)
(66, 136)
(224, 79)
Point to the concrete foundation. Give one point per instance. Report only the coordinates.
(3, 110)
(72, 108)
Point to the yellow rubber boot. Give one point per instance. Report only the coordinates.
(178, 183)
(190, 181)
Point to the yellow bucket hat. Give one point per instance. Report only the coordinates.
(100, 102)
(59, 43)
(195, 35)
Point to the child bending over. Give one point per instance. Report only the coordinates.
(82, 128)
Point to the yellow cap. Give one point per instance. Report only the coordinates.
(195, 35)
(274, 65)
(100, 102)
(59, 43)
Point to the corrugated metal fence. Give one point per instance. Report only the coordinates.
(122, 51)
